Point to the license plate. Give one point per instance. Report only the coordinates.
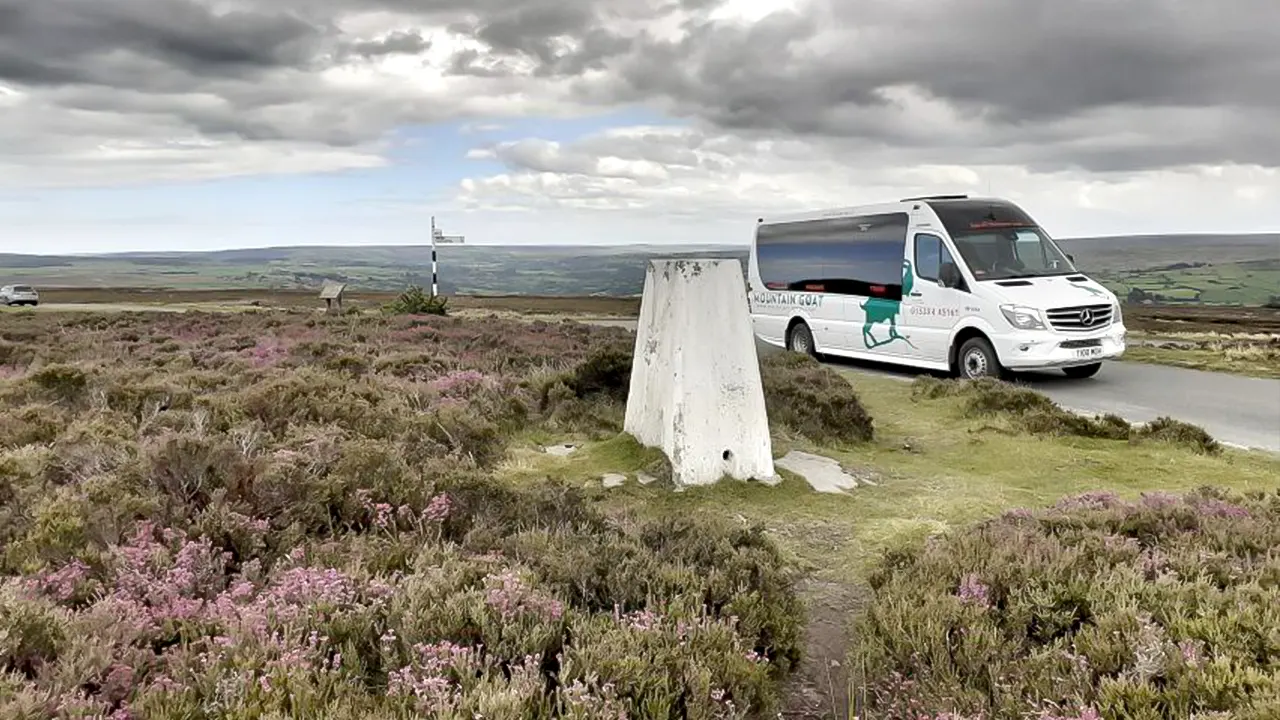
(1088, 352)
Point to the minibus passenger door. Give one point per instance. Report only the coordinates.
(932, 305)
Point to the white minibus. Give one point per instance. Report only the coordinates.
(970, 286)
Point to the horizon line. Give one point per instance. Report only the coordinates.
(117, 253)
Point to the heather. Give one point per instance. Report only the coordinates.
(284, 515)
(1033, 412)
(1166, 606)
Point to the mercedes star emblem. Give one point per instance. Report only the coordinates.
(1086, 317)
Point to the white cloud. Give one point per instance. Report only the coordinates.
(722, 175)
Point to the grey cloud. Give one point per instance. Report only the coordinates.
(397, 43)
(1017, 64)
(1096, 84)
(561, 37)
(62, 41)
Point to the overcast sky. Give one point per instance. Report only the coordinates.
(193, 124)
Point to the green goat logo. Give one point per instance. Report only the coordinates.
(879, 310)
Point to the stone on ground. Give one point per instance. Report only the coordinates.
(822, 473)
(613, 480)
(695, 382)
(561, 450)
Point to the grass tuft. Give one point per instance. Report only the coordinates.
(1032, 412)
(813, 401)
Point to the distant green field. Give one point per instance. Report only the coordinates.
(1244, 269)
(1255, 282)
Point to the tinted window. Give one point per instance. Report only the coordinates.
(845, 256)
(928, 256)
(1013, 252)
(964, 216)
(931, 255)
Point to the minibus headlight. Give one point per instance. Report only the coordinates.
(1023, 318)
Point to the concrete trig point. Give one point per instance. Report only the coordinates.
(331, 294)
(695, 389)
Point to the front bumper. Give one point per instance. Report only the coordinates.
(1044, 350)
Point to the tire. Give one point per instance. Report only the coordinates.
(800, 340)
(977, 359)
(1081, 372)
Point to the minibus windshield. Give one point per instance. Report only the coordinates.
(1008, 253)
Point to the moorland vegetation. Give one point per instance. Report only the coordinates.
(279, 514)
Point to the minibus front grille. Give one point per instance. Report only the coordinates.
(1077, 344)
(1080, 318)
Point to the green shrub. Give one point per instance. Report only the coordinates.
(416, 301)
(591, 395)
(32, 632)
(30, 425)
(63, 382)
(1165, 607)
(1035, 413)
(1177, 432)
(813, 400)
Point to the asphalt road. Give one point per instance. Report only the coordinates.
(1237, 410)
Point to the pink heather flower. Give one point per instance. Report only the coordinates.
(119, 683)
(1190, 650)
(1086, 714)
(388, 640)
(1152, 562)
(164, 683)
(1118, 542)
(1160, 500)
(267, 352)
(973, 591)
(248, 524)
(511, 597)
(1212, 507)
(1094, 500)
(454, 382)
(438, 509)
(62, 583)
(430, 678)
(643, 620)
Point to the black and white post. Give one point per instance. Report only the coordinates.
(439, 237)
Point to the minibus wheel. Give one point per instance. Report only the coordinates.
(800, 340)
(977, 359)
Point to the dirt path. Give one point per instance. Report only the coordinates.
(819, 689)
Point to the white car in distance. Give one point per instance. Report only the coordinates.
(19, 295)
